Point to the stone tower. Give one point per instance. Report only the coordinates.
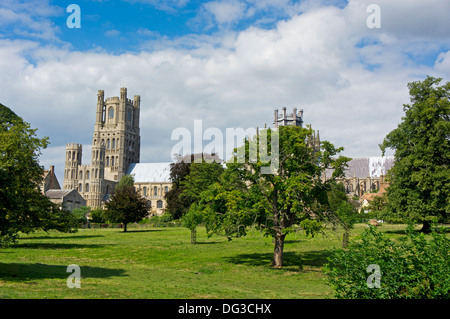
(115, 145)
(284, 119)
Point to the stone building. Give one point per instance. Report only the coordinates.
(115, 145)
(66, 198)
(366, 175)
(49, 180)
(152, 181)
(295, 119)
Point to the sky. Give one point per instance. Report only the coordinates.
(228, 63)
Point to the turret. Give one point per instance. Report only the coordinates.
(74, 153)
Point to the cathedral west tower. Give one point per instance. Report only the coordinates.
(115, 145)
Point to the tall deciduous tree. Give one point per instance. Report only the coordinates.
(419, 187)
(189, 178)
(126, 205)
(23, 208)
(279, 202)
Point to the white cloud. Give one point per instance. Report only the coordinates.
(352, 94)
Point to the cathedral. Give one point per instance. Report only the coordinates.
(116, 152)
(116, 146)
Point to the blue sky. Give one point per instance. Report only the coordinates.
(229, 63)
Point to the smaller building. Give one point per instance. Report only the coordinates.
(49, 180)
(66, 198)
(152, 181)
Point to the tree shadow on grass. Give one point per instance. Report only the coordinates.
(139, 231)
(25, 272)
(61, 237)
(57, 246)
(292, 261)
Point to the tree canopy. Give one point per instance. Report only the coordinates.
(419, 188)
(294, 196)
(126, 205)
(23, 208)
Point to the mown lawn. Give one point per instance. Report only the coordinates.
(162, 263)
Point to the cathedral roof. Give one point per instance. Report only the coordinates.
(363, 167)
(150, 172)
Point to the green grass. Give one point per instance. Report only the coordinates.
(162, 263)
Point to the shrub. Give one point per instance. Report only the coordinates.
(412, 267)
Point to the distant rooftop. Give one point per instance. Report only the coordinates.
(58, 193)
(150, 172)
(363, 167)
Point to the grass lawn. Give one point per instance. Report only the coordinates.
(162, 263)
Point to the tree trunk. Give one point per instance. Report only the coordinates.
(277, 261)
(345, 239)
(426, 228)
(193, 236)
(124, 227)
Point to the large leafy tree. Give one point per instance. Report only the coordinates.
(23, 208)
(420, 178)
(126, 205)
(294, 195)
(189, 178)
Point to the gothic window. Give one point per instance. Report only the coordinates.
(144, 191)
(129, 115)
(166, 189)
(113, 144)
(111, 112)
(80, 188)
(87, 187)
(159, 204)
(155, 191)
(81, 175)
(87, 174)
(107, 143)
(112, 161)
(107, 160)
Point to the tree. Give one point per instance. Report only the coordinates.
(296, 194)
(201, 176)
(419, 187)
(191, 220)
(186, 187)
(23, 208)
(411, 267)
(345, 212)
(126, 205)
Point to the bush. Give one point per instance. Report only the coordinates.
(410, 268)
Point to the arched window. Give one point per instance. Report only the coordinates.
(112, 160)
(155, 191)
(113, 144)
(159, 204)
(87, 187)
(81, 175)
(111, 112)
(166, 190)
(107, 160)
(87, 174)
(80, 187)
(144, 191)
(107, 143)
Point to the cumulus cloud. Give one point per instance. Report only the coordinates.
(349, 79)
